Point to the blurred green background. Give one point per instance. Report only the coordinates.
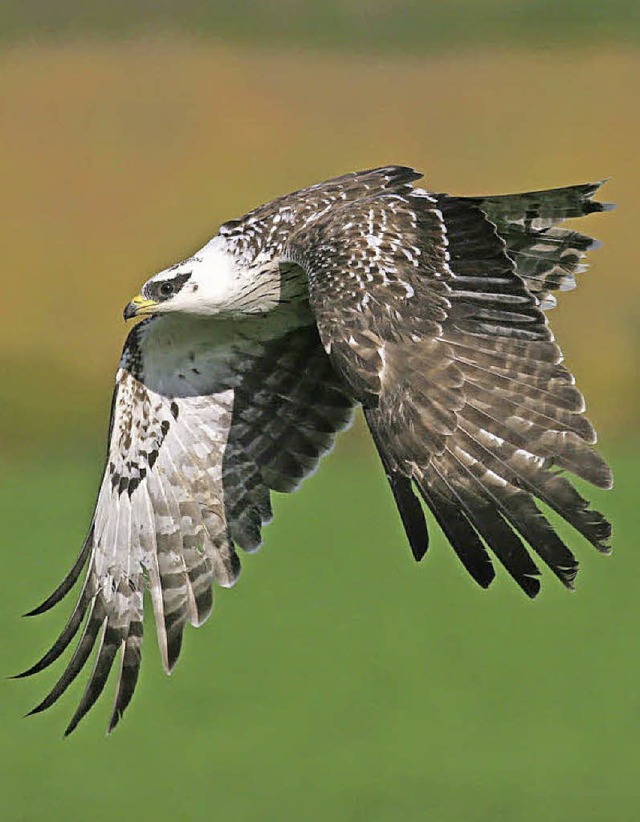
(338, 680)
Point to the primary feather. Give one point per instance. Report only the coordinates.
(426, 309)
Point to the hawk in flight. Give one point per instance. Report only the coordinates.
(426, 309)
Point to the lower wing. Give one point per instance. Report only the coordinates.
(207, 419)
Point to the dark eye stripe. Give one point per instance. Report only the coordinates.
(165, 289)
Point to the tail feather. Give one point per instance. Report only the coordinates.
(544, 208)
(547, 257)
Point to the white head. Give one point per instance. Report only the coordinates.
(207, 283)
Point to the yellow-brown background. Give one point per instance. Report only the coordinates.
(338, 680)
(119, 158)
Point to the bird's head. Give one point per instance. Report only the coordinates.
(202, 284)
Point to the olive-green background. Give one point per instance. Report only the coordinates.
(338, 680)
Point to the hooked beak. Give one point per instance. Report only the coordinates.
(139, 305)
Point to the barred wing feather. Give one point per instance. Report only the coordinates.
(208, 418)
(436, 326)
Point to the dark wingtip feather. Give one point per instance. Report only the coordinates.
(107, 648)
(68, 582)
(602, 543)
(600, 531)
(174, 646)
(525, 516)
(507, 546)
(40, 707)
(409, 508)
(411, 514)
(461, 534)
(129, 671)
(565, 573)
(23, 674)
(75, 665)
(568, 576)
(63, 641)
(484, 515)
(530, 585)
(487, 580)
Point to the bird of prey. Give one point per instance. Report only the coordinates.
(425, 309)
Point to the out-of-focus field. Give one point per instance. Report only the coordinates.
(338, 681)
(424, 26)
(117, 160)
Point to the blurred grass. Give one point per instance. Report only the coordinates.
(339, 680)
(421, 26)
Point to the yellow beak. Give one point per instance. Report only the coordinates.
(139, 305)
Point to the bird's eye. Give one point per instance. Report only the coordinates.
(166, 289)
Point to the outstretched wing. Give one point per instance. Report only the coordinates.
(439, 332)
(208, 417)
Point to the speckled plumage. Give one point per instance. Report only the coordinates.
(424, 308)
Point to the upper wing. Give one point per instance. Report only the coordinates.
(208, 417)
(424, 314)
